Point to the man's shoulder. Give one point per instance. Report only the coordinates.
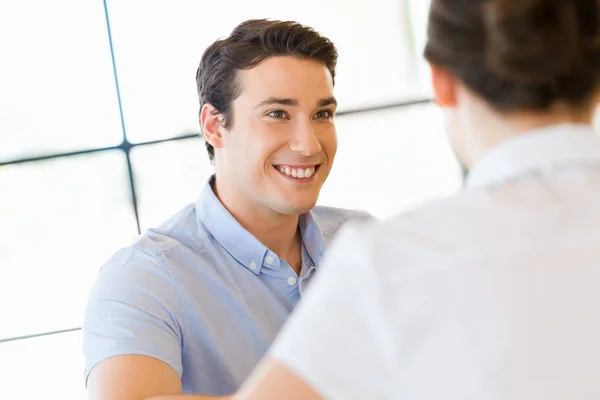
(180, 231)
(161, 248)
(331, 219)
(324, 213)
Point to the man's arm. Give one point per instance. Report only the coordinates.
(134, 377)
(272, 380)
(133, 309)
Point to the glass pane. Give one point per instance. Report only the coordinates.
(61, 219)
(419, 13)
(49, 367)
(157, 60)
(168, 176)
(391, 160)
(57, 88)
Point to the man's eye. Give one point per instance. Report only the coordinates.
(324, 114)
(279, 114)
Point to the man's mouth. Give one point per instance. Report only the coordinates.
(297, 172)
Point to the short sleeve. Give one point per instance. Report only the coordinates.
(339, 339)
(133, 308)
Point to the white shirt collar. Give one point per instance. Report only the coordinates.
(537, 149)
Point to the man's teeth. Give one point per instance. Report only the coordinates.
(297, 172)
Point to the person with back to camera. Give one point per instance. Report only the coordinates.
(491, 294)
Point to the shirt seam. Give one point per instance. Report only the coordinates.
(172, 280)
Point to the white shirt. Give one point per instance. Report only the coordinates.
(492, 294)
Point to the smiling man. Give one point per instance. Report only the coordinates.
(193, 305)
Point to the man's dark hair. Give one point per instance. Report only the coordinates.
(250, 43)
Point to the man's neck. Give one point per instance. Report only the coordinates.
(278, 232)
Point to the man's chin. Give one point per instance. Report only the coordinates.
(297, 208)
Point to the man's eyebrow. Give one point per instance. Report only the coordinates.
(278, 100)
(327, 102)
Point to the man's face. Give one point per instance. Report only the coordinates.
(280, 146)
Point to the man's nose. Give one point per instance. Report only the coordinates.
(305, 141)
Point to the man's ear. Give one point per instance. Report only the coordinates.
(211, 121)
(444, 85)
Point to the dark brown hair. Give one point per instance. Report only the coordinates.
(519, 54)
(250, 43)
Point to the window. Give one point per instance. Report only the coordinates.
(398, 158)
(169, 176)
(57, 88)
(157, 61)
(61, 219)
(43, 368)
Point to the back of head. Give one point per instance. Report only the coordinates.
(519, 54)
(250, 43)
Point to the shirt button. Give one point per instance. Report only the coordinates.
(269, 260)
(253, 266)
(291, 281)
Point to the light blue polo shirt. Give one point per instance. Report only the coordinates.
(202, 294)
